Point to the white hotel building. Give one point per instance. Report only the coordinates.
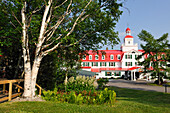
(115, 63)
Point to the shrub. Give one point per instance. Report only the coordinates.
(83, 97)
(157, 82)
(102, 82)
(80, 83)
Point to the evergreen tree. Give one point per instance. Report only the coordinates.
(155, 53)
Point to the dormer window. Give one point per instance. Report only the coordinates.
(84, 57)
(111, 57)
(118, 57)
(96, 57)
(90, 57)
(103, 57)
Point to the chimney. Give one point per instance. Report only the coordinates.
(106, 48)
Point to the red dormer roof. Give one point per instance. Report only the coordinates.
(128, 36)
(128, 29)
(107, 54)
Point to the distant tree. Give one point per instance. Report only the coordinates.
(156, 51)
(10, 45)
(57, 66)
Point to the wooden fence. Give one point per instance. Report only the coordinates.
(15, 82)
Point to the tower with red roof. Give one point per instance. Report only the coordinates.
(128, 42)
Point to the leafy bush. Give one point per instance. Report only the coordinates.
(82, 97)
(157, 82)
(102, 82)
(80, 83)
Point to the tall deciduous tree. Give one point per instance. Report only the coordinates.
(156, 51)
(51, 24)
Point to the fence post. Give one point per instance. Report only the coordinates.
(40, 91)
(10, 91)
(3, 88)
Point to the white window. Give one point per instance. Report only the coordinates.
(129, 42)
(103, 57)
(103, 64)
(112, 63)
(128, 63)
(94, 63)
(85, 63)
(90, 57)
(129, 56)
(84, 57)
(136, 56)
(136, 64)
(111, 57)
(96, 57)
(118, 57)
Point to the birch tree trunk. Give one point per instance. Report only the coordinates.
(26, 56)
(34, 74)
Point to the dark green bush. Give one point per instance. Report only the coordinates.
(102, 82)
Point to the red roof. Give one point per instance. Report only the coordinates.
(128, 36)
(112, 69)
(107, 54)
(128, 29)
(133, 68)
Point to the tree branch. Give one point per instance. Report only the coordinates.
(75, 23)
(43, 27)
(16, 19)
(50, 50)
(60, 4)
(76, 41)
(15, 27)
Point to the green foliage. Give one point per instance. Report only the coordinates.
(106, 96)
(102, 82)
(52, 71)
(80, 83)
(154, 48)
(129, 101)
(82, 97)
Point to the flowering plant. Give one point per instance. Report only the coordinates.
(80, 83)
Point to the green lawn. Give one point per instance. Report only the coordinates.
(129, 101)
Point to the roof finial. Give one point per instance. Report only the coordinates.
(127, 24)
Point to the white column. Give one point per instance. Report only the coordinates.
(134, 76)
(131, 75)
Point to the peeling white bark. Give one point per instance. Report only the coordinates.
(34, 73)
(41, 50)
(27, 64)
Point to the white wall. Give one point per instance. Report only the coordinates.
(133, 60)
(128, 48)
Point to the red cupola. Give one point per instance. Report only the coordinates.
(128, 29)
(128, 33)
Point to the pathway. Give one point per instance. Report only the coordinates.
(138, 85)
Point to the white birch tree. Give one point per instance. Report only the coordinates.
(86, 22)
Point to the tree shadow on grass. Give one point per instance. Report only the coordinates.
(152, 98)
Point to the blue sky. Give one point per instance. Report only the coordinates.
(150, 15)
